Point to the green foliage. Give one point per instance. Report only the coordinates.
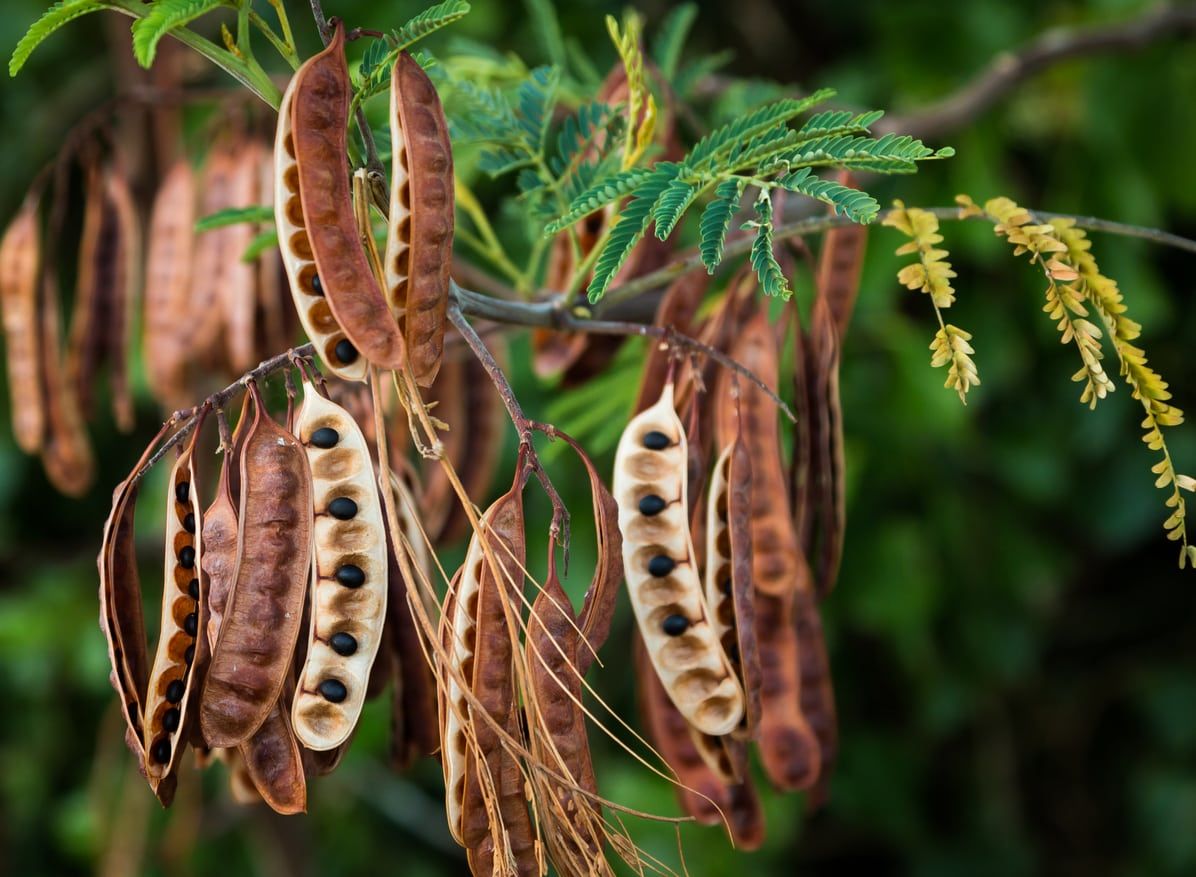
(163, 17)
(670, 40)
(235, 216)
(427, 22)
(716, 219)
(62, 12)
(855, 205)
(764, 261)
(632, 224)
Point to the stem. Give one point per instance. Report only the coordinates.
(287, 51)
(488, 245)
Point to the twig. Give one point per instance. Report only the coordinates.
(523, 426)
(1008, 70)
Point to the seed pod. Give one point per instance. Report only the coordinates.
(123, 295)
(419, 239)
(478, 638)
(20, 258)
(253, 652)
(307, 288)
(348, 596)
(239, 281)
(274, 763)
(677, 309)
(319, 100)
(817, 692)
(827, 499)
(240, 784)
(662, 576)
(66, 451)
(275, 318)
(840, 263)
(729, 592)
(168, 268)
(700, 791)
(218, 565)
(173, 680)
(87, 346)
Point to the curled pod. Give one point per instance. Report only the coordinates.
(827, 499)
(20, 258)
(252, 655)
(348, 591)
(840, 263)
(274, 762)
(419, 239)
(238, 290)
(478, 639)
(168, 265)
(661, 571)
(729, 591)
(319, 107)
(700, 791)
(298, 259)
(173, 679)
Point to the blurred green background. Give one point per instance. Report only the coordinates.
(1014, 651)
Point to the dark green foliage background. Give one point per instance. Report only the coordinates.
(1013, 648)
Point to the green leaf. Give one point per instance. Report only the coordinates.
(533, 102)
(579, 132)
(602, 193)
(718, 143)
(53, 18)
(666, 48)
(855, 205)
(632, 224)
(764, 262)
(234, 216)
(890, 154)
(716, 219)
(839, 122)
(677, 196)
(164, 16)
(265, 240)
(430, 20)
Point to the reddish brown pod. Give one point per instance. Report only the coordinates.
(419, 240)
(274, 762)
(218, 565)
(826, 496)
(253, 651)
(840, 263)
(320, 112)
(66, 452)
(20, 263)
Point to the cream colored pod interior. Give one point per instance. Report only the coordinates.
(314, 313)
(348, 601)
(718, 557)
(662, 575)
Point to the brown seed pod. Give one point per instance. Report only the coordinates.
(173, 679)
(240, 784)
(729, 592)
(662, 577)
(66, 451)
(827, 499)
(678, 309)
(817, 692)
(348, 596)
(419, 240)
(123, 296)
(274, 762)
(275, 317)
(218, 565)
(168, 266)
(20, 262)
(840, 263)
(320, 111)
(253, 652)
(239, 289)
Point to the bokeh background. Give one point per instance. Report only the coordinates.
(1014, 650)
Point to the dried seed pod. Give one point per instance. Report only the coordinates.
(218, 565)
(257, 637)
(87, 343)
(66, 451)
(319, 106)
(274, 762)
(173, 679)
(20, 259)
(348, 596)
(817, 692)
(168, 266)
(662, 577)
(677, 309)
(239, 281)
(123, 295)
(827, 499)
(419, 240)
(729, 591)
(840, 263)
(240, 784)
(275, 319)
(307, 288)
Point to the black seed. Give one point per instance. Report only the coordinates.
(316, 286)
(724, 585)
(675, 625)
(170, 720)
(656, 441)
(333, 690)
(186, 557)
(350, 576)
(652, 505)
(161, 751)
(345, 352)
(175, 690)
(342, 508)
(182, 491)
(189, 523)
(189, 654)
(343, 644)
(191, 624)
(193, 589)
(733, 653)
(325, 437)
(661, 565)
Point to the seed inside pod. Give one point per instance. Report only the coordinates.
(191, 624)
(187, 557)
(189, 654)
(343, 643)
(350, 575)
(342, 508)
(345, 352)
(170, 720)
(182, 491)
(652, 505)
(661, 565)
(325, 437)
(175, 690)
(656, 440)
(161, 751)
(316, 286)
(675, 625)
(189, 523)
(333, 690)
(193, 589)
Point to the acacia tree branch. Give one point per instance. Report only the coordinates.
(1009, 69)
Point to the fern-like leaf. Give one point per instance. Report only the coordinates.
(716, 219)
(604, 192)
(764, 260)
(164, 16)
(952, 347)
(430, 20)
(721, 141)
(533, 101)
(673, 202)
(56, 16)
(855, 205)
(632, 224)
(670, 39)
